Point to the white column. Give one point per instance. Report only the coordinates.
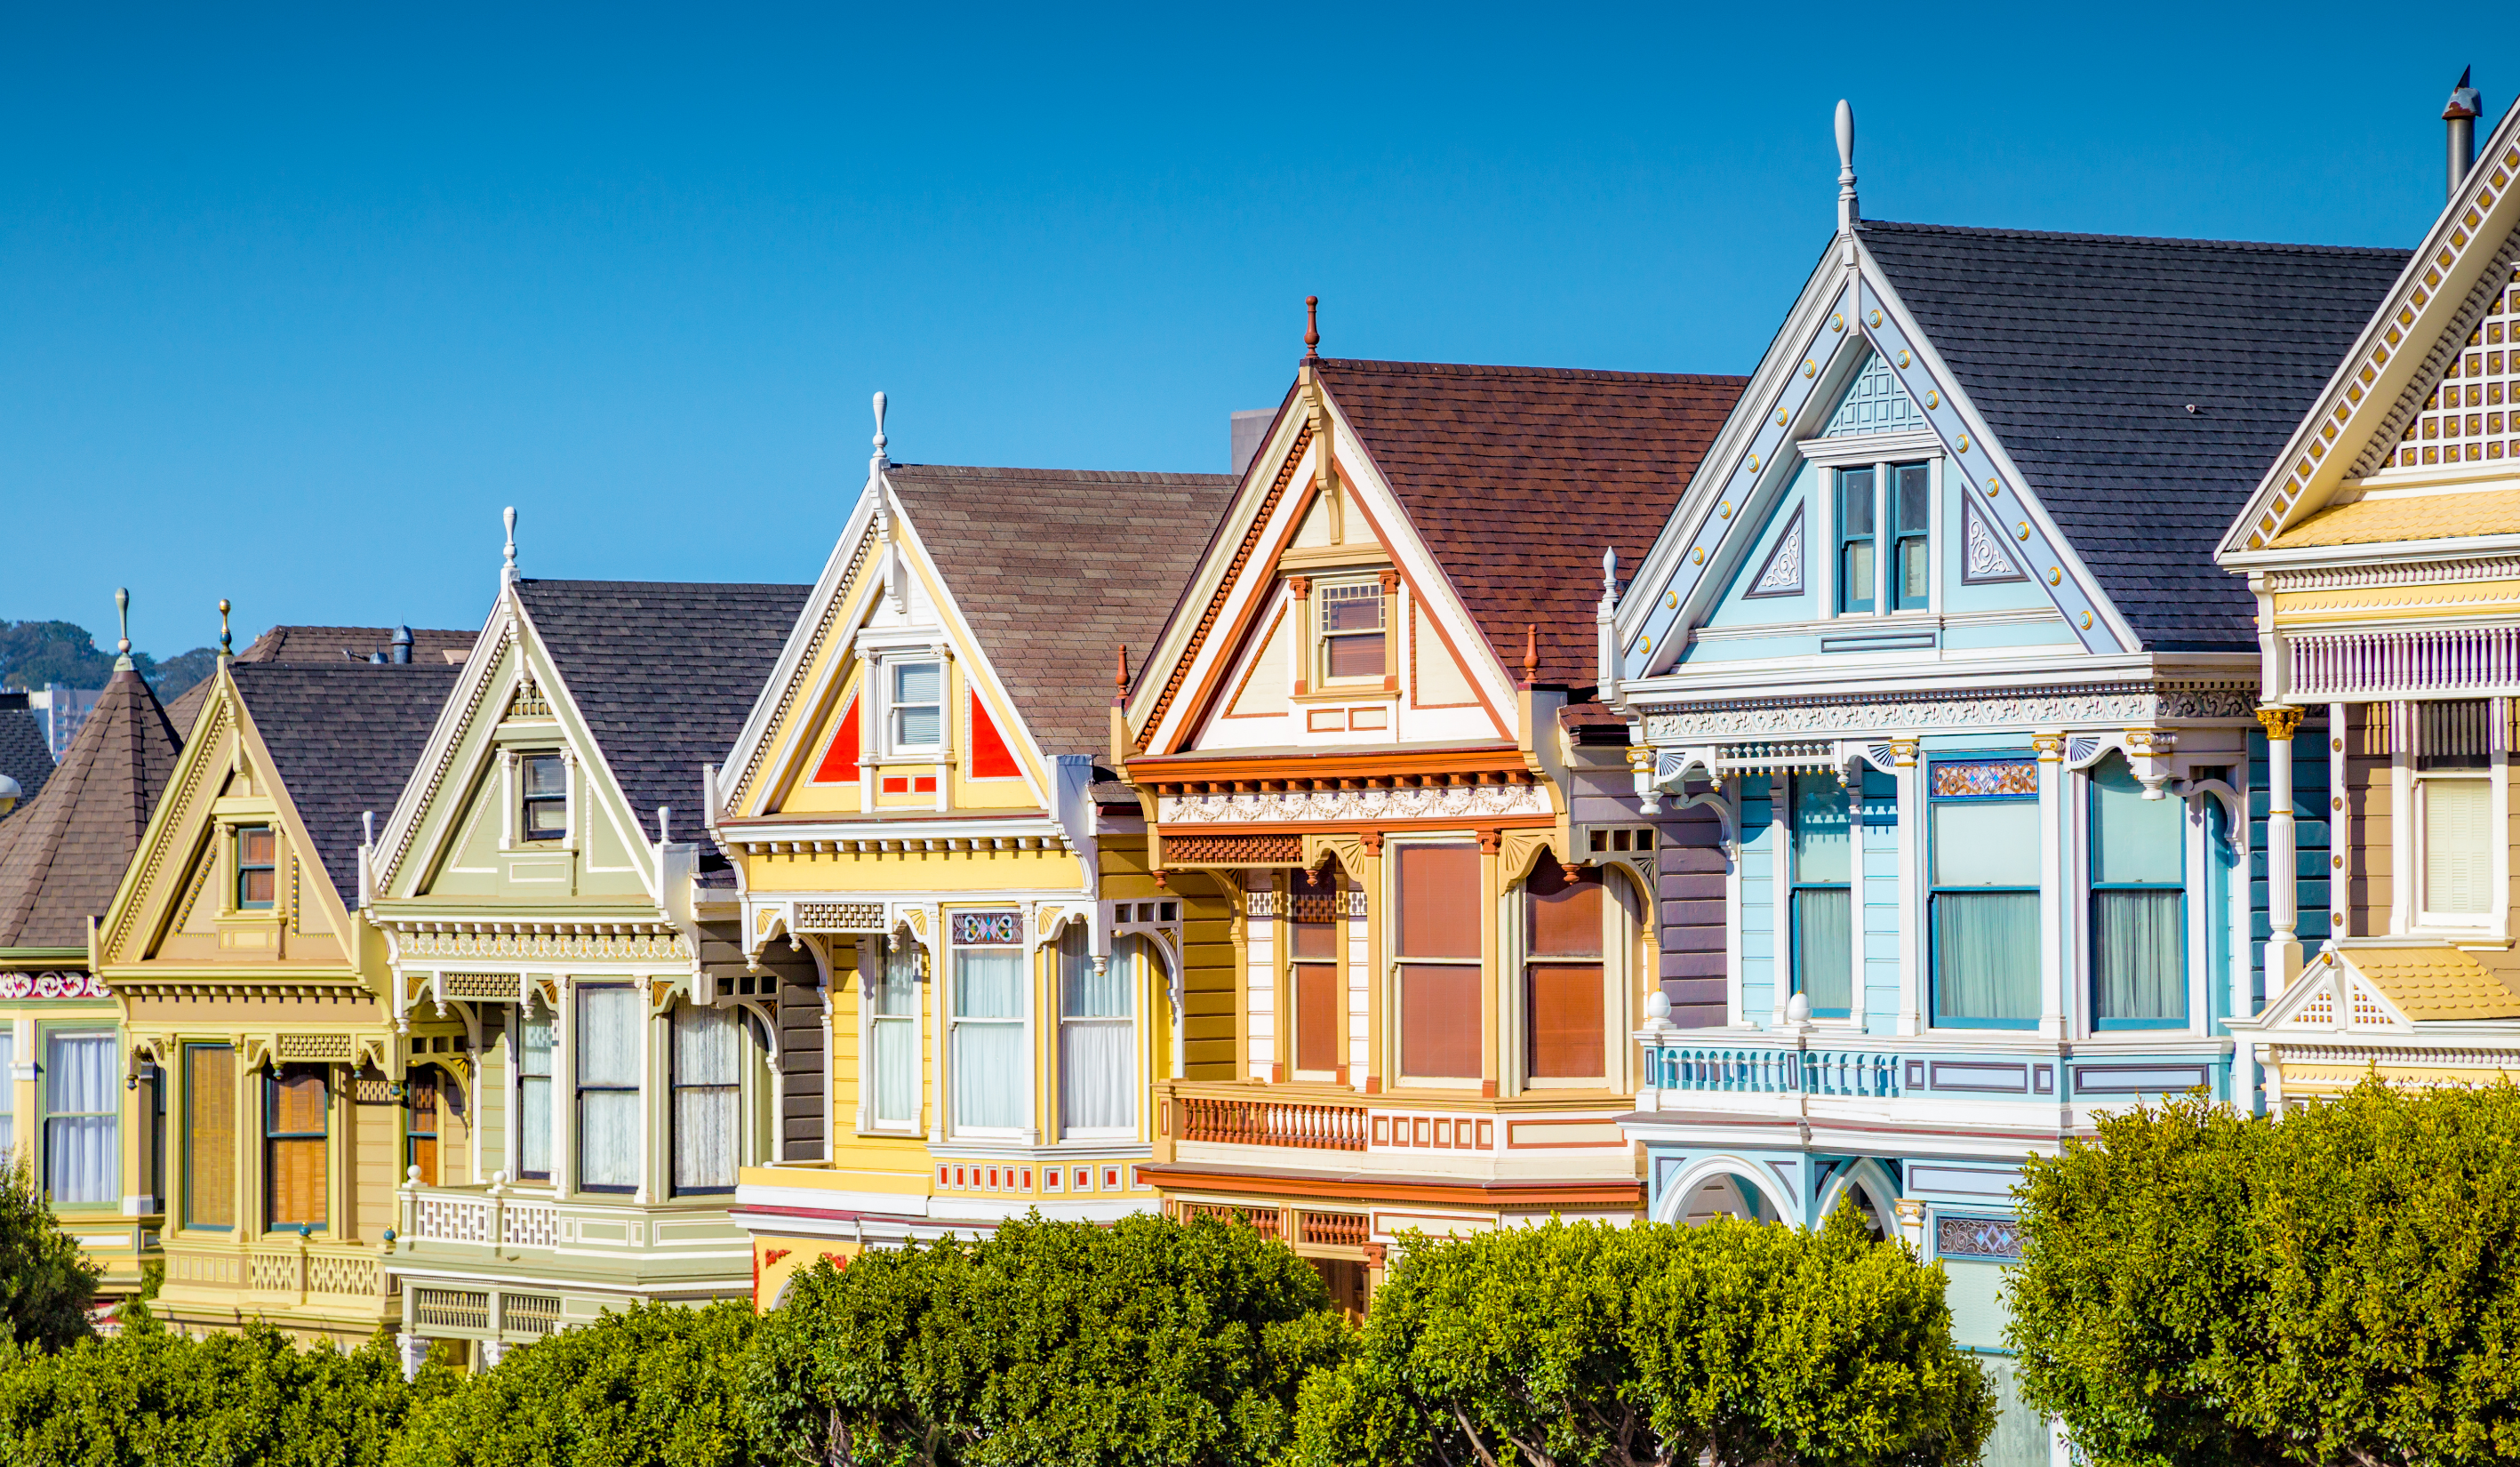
(2340, 824)
(2054, 931)
(2283, 897)
(564, 1091)
(1911, 775)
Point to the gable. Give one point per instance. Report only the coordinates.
(1873, 402)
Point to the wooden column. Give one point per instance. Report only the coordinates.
(1491, 1024)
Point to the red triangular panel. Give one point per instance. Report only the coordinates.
(841, 761)
(990, 759)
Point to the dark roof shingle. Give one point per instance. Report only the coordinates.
(664, 673)
(343, 738)
(61, 853)
(344, 644)
(26, 754)
(2083, 351)
(1056, 569)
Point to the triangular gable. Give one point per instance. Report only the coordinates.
(1873, 402)
(2390, 381)
(1841, 329)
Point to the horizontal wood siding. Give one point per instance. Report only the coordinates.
(1691, 869)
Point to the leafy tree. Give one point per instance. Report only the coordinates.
(1146, 1342)
(36, 654)
(175, 676)
(655, 1387)
(1585, 1343)
(151, 1398)
(46, 1287)
(2342, 1286)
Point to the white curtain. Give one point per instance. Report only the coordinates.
(892, 997)
(8, 1096)
(608, 1086)
(1986, 955)
(533, 1096)
(78, 1122)
(2140, 949)
(1097, 1068)
(988, 1049)
(1824, 947)
(707, 1052)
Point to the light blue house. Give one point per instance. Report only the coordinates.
(1937, 633)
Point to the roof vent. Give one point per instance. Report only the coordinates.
(2465, 106)
(402, 644)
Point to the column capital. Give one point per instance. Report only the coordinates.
(2280, 722)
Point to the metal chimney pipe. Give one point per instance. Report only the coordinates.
(2465, 106)
(402, 644)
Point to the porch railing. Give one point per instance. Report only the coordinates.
(1744, 1070)
(478, 1217)
(1301, 1124)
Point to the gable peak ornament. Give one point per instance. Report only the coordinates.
(1847, 211)
(508, 571)
(879, 463)
(122, 613)
(1312, 327)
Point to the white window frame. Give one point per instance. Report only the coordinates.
(872, 955)
(887, 670)
(947, 997)
(2494, 923)
(1881, 453)
(1136, 1084)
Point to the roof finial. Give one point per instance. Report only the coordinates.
(1847, 212)
(1312, 327)
(122, 611)
(227, 646)
(879, 463)
(508, 572)
(1530, 655)
(1120, 680)
(1610, 570)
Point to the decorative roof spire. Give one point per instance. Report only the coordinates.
(1120, 680)
(1847, 211)
(227, 643)
(122, 648)
(508, 571)
(879, 463)
(1530, 655)
(1312, 327)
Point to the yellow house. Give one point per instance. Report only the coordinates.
(916, 801)
(244, 973)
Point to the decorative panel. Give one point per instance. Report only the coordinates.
(1984, 779)
(1995, 1238)
(1875, 402)
(1782, 573)
(2465, 420)
(839, 916)
(972, 929)
(1233, 850)
(493, 986)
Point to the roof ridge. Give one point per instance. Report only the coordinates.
(2269, 245)
(713, 585)
(1074, 476)
(1562, 373)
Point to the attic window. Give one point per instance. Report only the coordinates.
(916, 716)
(256, 868)
(1352, 630)
(546, 798)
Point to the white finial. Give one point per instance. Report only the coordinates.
(1610, 572)
(880, 461)
(508, 571)
(122, 612)
(1847, 212)
(664, 825)
(368, 826)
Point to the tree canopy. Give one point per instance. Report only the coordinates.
(36, 654)
(46, 1287)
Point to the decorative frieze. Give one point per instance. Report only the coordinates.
(1233, 850)
(838, 916)
(1354, 807)
(507, 986)
(2118, 703)
(53, 986)
(615, 948)
(2394, 574)
(1977, 1238)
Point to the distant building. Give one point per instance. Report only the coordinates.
(63, 710)
(25, 755)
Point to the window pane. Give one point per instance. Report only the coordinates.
(1352, 608)
(988, 1076)
(1084, 994)
(896, 1071)
(708, 1047)
(420, 1129)
(1439, 901)
(918, 727)
(210, 1136)
(608, 1036)
(1439, 1022)
(1314, 939)
(1855, 502)
(546, 819)
(988, 982)
(1986, 955)
(1824, 948)
(297, 1102)
(1822, 846)
(2459, 835)
(1356, 655)
(544, 775)
(1909, 486)
(1566, 1020)
(536, 1050)
(2139, 955)
(918, 682)
(704, 1128)
(1991, 844)
(2134, 839)
(297, 1182)
(1565, 913)
(79, 1082)
(255, 846)
(895, 989)
(1913, 582)
(254, 888)
(1097, 1079)
(608, 1139)
(534, 1127)
(1317, 1016)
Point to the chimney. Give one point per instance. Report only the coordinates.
(2462, 115)
(1250, 429)
(402, 644)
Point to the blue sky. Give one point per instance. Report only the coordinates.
(292, 303)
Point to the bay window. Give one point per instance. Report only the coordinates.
(707, 1056)
(2139, 903)
(985, 1050)
(297, 1131)
(534, 1094)
(210, 1136)
(1314, 968)
(2456, 824)
(893, 1031)
(80, 1164)
(1823, 894)
(1984, 895)
(1097, 1069)
(1438, 945)
(606, 1051)
(1564, 983)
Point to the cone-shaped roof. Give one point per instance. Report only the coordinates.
(61, 853)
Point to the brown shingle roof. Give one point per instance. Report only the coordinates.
(62, 855)
(328, 644)
(1056, 569)
(1516, 477)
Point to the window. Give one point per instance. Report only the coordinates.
(1823, 894)
(1312, 967)
(708, 1048)
(918, 707)
(2455, 806)
(2139, 903)
(1911, 510)
(8, 1094)
(893, 1031)
(986, 1052)
(1438, 946)
(607, 1052)
(210, 1136)
(546, 787)
(80, 1164)
(256, 868)
(1983, 856)
(534, 1095)
(296, 1109)
(1098, 1068)
(1562, 978)
(1856, 542)
(1352, 629)
(420, 1126)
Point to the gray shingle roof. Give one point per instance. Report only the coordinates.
(61, 853)
(343, 737)
(2083, 352)
(1056, 569)
(663, 673)
(26, 754)
(342, 644)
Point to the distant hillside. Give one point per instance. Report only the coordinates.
(34, 654)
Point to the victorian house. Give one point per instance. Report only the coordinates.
(919, 807)
(580, 1059)
(255, 996)
(1937, 635)
(1366, 736)
(70, 1087)
(2382, 550)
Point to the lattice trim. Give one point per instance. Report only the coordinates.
(1225, 588)
(839, 916)
(508, 985)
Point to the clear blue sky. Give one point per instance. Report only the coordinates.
(292, 304)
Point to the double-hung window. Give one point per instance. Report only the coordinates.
(1352, 629)
(2456, 825)
(1314, 968)
(7, 1095)
(1441, 1026)
(1984, 875)
(1911, 510)
(1562, 983)
(1098, 1068)
(606, 1051)
(1885, 515)
(914, 712)
(2139, 903)
(1823, 899)
(1857, 541)
(80, 1086)
(708, 1053)
(534, 1094)
(420, 1125)
(257, 863)
(544, 783)
(296, 1115)
(893, 1031)
(209, 1136)
(990, 1079)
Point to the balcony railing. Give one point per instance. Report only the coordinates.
(1303, 1124)
(1746, 1071)
(478, 1217)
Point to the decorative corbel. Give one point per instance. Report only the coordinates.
(2234, 810)
(2148, 753)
